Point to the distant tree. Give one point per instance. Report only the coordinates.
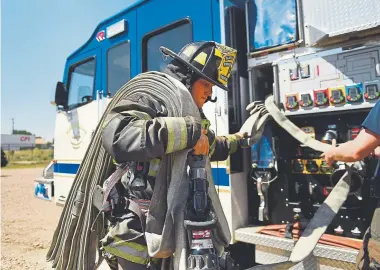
(22, 132)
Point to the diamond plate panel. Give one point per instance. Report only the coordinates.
(310, 262)
(271, 249)
(264, 255)
(339, 17)
(268, 255)
(249, 235)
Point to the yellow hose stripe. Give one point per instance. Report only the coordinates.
(140, 115)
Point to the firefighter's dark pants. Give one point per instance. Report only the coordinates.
(369, 254)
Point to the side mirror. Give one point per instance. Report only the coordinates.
(61, 95)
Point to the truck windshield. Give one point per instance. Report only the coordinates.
(81, 83)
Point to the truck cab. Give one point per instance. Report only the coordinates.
(323, 72)
(125, 45)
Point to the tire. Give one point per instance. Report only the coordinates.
(4, 160)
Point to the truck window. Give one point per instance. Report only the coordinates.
(165, 36)
(118, 67)
(81, 83)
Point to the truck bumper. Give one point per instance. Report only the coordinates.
(44, 188)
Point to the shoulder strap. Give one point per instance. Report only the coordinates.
(114, 178)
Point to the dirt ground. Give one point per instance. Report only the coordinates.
(27, 223)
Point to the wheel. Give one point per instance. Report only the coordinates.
(4, 160)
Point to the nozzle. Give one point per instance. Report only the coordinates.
(329, 136)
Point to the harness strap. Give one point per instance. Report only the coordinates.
(137, 207)
(115, 177)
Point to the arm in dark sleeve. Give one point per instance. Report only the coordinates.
(222, 146)
(133, 132)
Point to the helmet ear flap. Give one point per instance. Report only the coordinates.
(189, 83)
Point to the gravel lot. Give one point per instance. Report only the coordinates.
(27, 223)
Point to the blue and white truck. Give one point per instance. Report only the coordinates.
(319, 59)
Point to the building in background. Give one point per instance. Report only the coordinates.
(41, 143)
(17, 142)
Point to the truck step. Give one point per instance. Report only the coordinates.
(271, 249)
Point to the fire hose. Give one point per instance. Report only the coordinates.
(76, 239)
(315, 229)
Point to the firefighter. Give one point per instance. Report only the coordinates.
(365, 144)
(143, 133)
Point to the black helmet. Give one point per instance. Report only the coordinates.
(210, 60)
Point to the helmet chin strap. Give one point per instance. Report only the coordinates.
(211, 99)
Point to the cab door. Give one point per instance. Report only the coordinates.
(119, 54)
(75, 123)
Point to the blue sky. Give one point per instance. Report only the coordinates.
(36, 38)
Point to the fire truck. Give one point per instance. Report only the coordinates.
(319, 59)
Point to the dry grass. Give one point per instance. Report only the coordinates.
(28, 158)
(24, 165)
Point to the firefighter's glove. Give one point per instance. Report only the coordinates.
(254, 125)
(202, 147)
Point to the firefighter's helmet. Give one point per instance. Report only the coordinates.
(210, 60)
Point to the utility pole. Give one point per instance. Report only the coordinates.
(13, 125)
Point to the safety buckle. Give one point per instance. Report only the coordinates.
(196, 225)
(127, 203)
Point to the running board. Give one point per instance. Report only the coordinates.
(271, 249)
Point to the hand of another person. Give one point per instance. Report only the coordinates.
(376, 152)
(329, 155)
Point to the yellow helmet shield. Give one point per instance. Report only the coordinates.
(228, 58)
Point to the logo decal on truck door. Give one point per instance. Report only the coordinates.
(101, 36)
